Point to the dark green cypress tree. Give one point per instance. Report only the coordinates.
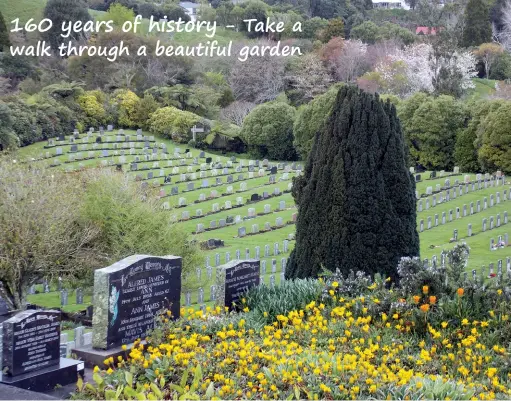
(4, 35)
(356, 198)
(477, 23)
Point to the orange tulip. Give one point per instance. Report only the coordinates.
(425, 308)
(460, 292)
(432, 300)
(425, 289)
(416, 299)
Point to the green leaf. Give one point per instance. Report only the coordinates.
(179, 389)
(110, 395)
(210, 392)
(184, 379)
(156, 391)
(97, 379)
(130, 393)
(297, 392)
(197, 377)
(129, 378)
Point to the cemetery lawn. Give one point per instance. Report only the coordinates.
(433, 241)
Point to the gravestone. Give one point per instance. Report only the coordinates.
(127, 295)
(234, 279)
(31, 352)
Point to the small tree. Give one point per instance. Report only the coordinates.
(268, 131)
(41, 232)
(488, 53)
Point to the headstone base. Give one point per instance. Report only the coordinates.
(94, 357)
(66, 372)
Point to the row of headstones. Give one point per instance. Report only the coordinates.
(229, 190)
(242, 231)
(215, 207)
(248, 255)
(462, 212)
(456, 171)
(81, 339)
(64, 293)
(491, 268)
(449, 194)
(477, 184)
(202, 175)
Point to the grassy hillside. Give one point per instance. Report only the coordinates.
(24, 9)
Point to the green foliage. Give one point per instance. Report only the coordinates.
(432, 141)
(357, 211)
(268, 131)
(41, 233)
(254, 9)
(334, 29)
(469, 140)
(173, 123)
(118, 14)
(495, 151)
(367, 32)
(126, 103)
(282, 299)
(127, 221)
(143, 109)
(64, 11)
(93, 109)
(4, 35)
(8, 139)
(311, 27)
(477, 23)
(312, 118)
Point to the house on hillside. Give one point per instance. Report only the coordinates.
(391, 4)
(190, 9)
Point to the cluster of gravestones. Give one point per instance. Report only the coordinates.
(469, 210)
(440, 197)
(127, 299)
(484, 274)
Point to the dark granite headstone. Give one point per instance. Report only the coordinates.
(234, 279)
(273, 170)
(209, 159)
(128, 295)
(31, 341)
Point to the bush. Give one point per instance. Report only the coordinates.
(173, 123)
(282, 299)
(126, 102)
(128, 220)
(268, 131)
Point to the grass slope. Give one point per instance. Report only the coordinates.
(433, 240)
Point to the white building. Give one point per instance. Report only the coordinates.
(391, 4)
(190, 9)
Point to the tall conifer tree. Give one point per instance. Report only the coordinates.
(356, 198)
(477, 23)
